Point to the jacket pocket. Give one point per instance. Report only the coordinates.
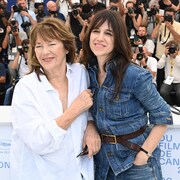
(117, 107)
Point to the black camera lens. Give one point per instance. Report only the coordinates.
(140, 55)
(168, 18)
(172, 49)
(75, 12)
(130, 11)
(15, 8)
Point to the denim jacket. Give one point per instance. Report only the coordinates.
(137, 102)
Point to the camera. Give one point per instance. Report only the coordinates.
(75, 10)
(113, 8)
(40, 12)
(152, 11)
(140, 55)
(133, 39)
(25, 24)
(130, 11)
(17, 8)
(168, 18)
(13, 25)
(172, 49)
(138, 3)
(23, 49)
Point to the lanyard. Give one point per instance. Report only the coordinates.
(172, 64)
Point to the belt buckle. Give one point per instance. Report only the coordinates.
(112, 136)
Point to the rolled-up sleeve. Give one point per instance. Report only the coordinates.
(146, 92)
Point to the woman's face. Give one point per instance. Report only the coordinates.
(102, 42)
(50, 54)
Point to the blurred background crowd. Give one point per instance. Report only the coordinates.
(153, 27)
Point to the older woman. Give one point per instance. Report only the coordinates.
(50, 111)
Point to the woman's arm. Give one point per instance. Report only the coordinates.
(150, 144)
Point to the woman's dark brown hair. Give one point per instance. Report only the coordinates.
(121, 55)
(50, 29)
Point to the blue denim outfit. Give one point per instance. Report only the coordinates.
(125, 114)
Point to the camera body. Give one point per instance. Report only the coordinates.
(17, 8)
(13, 25)
(140, 55)
(139, 2)
(23, 49)
(25, 24)
(168, 18)
(152, 11)
(130, 10)
(75, 11)
(172, 49)
(134, 38)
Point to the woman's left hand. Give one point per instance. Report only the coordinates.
(92, 139)
(141, 159)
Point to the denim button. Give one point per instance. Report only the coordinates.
(109, 153)
(101, 109)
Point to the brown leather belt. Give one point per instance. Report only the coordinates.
(122, 139)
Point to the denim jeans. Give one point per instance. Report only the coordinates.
(149, 171)
(165, 93)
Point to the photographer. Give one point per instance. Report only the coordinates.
(93, 5)
(76, 23)
(26, 18)
(150, 63)
(11, 40)
(142, 39)
(132, 19)
(167, 29)
(39, 11)
(4, 16)
(53, 12)
(149, 16)
(170, 61)
(20, 63)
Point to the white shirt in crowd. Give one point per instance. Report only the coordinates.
(152, 64)
(174, 67)
(40, 149)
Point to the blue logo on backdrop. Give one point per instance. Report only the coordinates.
(5, 144)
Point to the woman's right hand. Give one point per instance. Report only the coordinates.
(83, 102)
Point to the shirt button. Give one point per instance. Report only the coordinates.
(109, 153)
(101, 109)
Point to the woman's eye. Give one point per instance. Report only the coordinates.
(109, 33)
(95, 31)
(38, 46)
(52, 44)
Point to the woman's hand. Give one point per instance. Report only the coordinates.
(141, 158)
(82, 103)
(92, 139)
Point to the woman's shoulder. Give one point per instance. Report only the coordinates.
(77, 67)
(28, 79)
(134, 71)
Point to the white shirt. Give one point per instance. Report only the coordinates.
(40, 149)
(152, 64)
(149, 44)
(23, 67)
(165, 62)
(20, 19)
